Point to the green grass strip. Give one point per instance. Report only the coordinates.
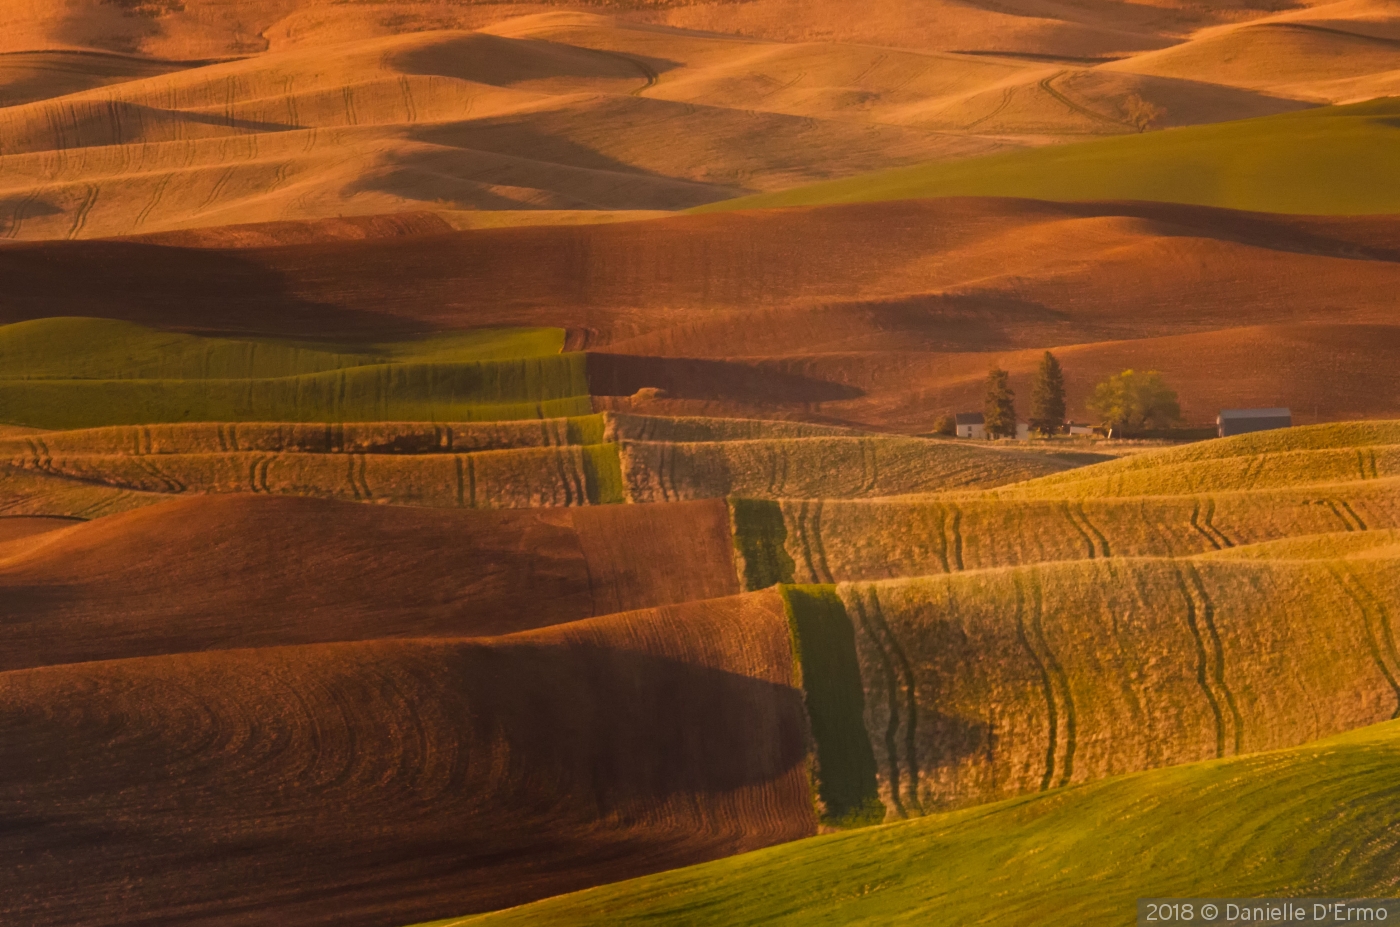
(602, 474)
(537, 387)
(1319, 819)
(760, 537)
(824, 648)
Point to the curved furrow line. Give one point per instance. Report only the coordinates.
(1210, 523)
(1103, 541)
(957, 538)
(911, 701)
(81, 216)
(890, 690)
(1360, 525)
(1068, 511)
(943, 538)
(1218, 651)
(804, 541)
(1195, 523)
(1046, 687)
(1202, 663)
(1341, 573)
(1058, 674)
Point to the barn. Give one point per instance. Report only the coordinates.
(1243, 421)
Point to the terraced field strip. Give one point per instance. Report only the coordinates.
(817, 467)
(311, 438)
(987, 684)
(838, 540)
(518, 477)
(552, 387)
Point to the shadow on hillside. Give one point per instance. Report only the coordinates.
(469, 162)
(500, 61)
(694, 378)
(203, 290)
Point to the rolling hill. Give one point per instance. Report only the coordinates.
(1321, 162)
(1085, 852)
(879, 314)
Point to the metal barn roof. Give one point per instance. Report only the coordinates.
(1255, 413)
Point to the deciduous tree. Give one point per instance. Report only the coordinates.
(1130, 401)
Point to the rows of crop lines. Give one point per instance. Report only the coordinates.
(1011, 642)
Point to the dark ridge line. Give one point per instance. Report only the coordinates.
(364, 481)
(1058, 671)
(1375, 473)
(1052, 714)
(957, 538)
(1352, 512)
(1083, 535)
(1195, 523)
(874, 466)
(457, 458)
(1210, 522)
(223, 442)
(451, 438)
(911, 700)
(1208, 614)
(1103, 541)
(95, 53)
(471, 481)
(1337, 571)
(820, 545)
(1201, 665)
(943, 537)
(891, 695)
(1361, 463)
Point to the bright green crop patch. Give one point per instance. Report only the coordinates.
(1292, 822)
(538, 387)
(1337, 160)
(105, 349)
(824, 646)
(759, 537)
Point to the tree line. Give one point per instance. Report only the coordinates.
(1128, 401)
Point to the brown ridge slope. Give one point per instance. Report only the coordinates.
(881, 314)
(299, 232)
(396, 781)
(220, 572)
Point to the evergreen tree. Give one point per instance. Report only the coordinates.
(1048, 397)
(999, 413)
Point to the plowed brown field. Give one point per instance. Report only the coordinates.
(222, 572)
(882, 314)
(382, 782)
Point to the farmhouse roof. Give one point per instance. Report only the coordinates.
(1254, 413)
(968, 418)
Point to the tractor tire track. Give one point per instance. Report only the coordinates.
(911, 701)
(1210, 523)
(891, 693)
(1196, 523)
(80, 218)
(1068, 511)
(1217, 648)
(1365, 603)
(1052, 714)
(1203, 669)
(1057, 674)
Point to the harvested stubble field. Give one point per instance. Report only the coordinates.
(1172, 503)
(543, 462)
(989, 684)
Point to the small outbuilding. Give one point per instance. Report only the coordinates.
(1243, 421)
(1078, 430)
(970, 425)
